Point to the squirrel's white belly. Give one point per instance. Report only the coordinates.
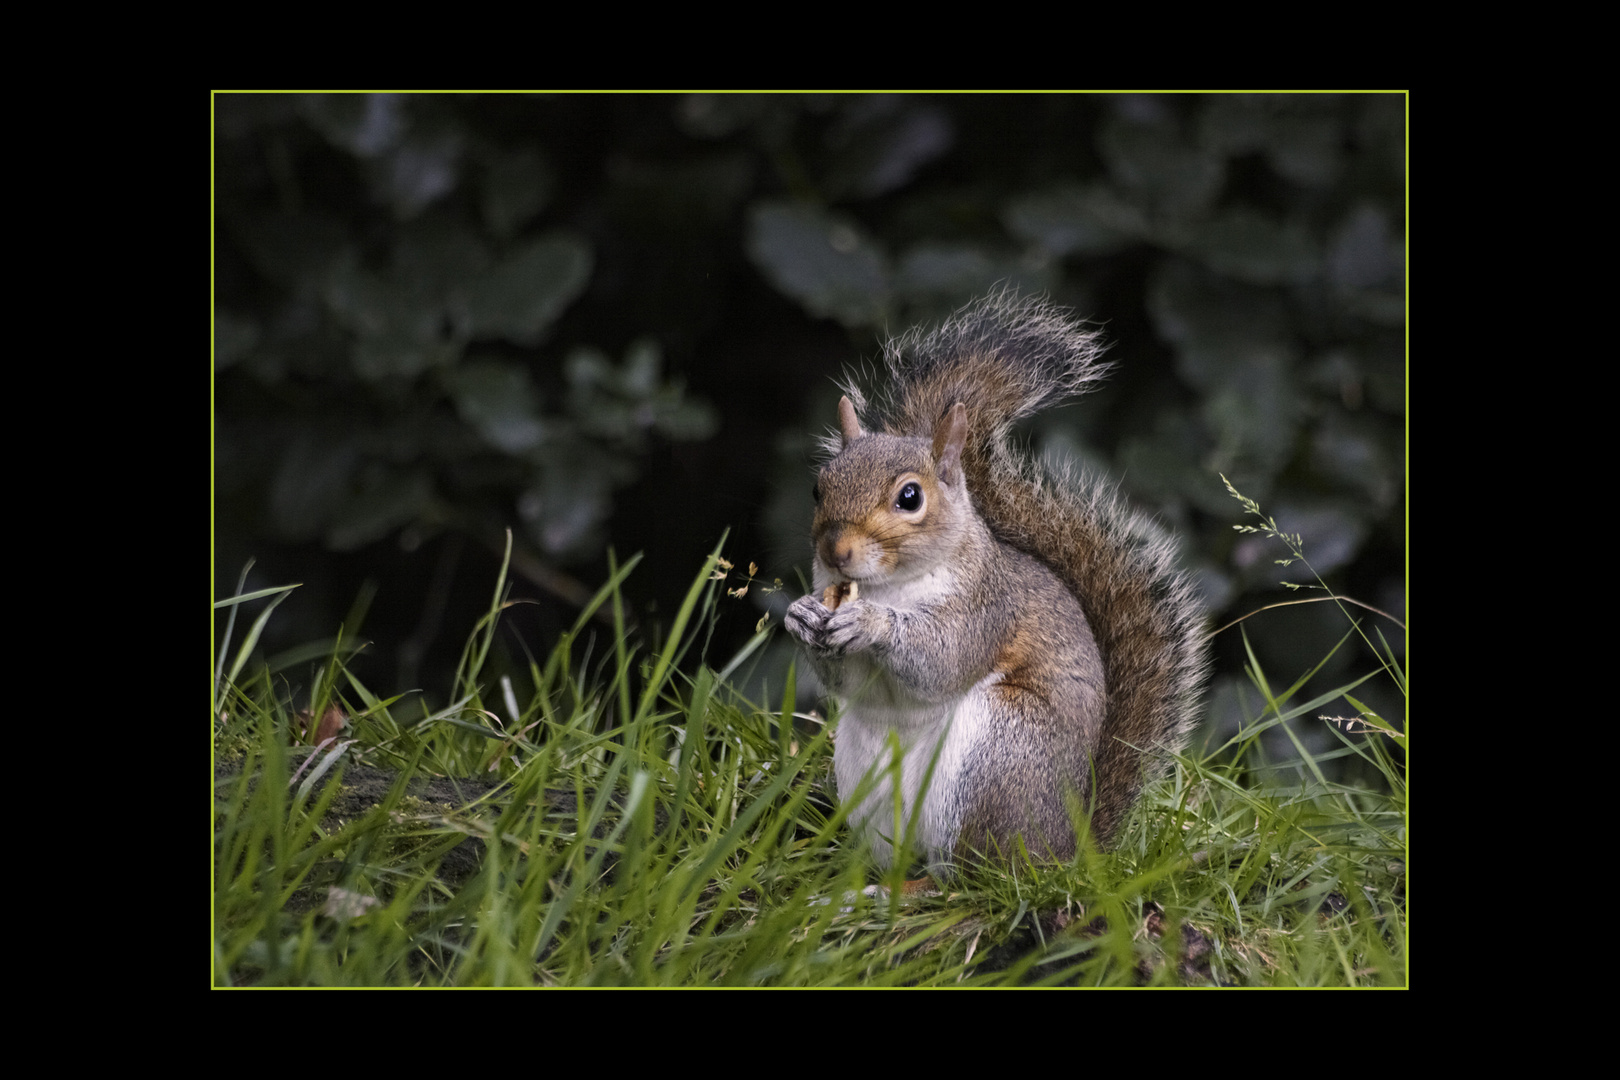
(861, 754)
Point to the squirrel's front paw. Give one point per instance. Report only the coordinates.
(807, 620)
(855, 626)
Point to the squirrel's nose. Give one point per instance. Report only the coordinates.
(836, 549)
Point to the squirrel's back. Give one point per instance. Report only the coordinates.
(1007, 357)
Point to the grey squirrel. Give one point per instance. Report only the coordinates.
(1027, 628)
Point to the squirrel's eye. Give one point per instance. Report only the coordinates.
(909, 499)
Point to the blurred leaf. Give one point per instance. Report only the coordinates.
(1166, 464)
(292, 250)
(421, 170)
(439, 254)
(643, 362)
(880, 141)
(402, 356)
(1301, 135)
(1366, 260)
(234, 338)
(1254, 247)
(1074, 220)
(366, 125)
(942, 273)
(366, 303)
(1354, 451)
(587, 369)
(714, 116)
(313, 479)
(397, 318)
(498, 401)
(1235, 345)
(688, 196)
(300, 337)
(1307, 149)
(238, 116)
(522, 295)
(687, 420)
(621, 405)
(387, 499)
(1364, 254)
(515, 188)
(564, 509)
(821, 260)
(1253, 415)
(1214, 324)
(1155, 164)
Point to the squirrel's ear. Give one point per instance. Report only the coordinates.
(847, 421)
(950, 436)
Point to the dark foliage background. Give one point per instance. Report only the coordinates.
(615, 320)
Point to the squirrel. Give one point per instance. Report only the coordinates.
(1026, 636)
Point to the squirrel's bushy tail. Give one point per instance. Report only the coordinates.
(1004, 358)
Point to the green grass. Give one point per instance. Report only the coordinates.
(610, 820)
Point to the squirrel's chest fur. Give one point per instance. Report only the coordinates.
(1026, 689)
(952, 730)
